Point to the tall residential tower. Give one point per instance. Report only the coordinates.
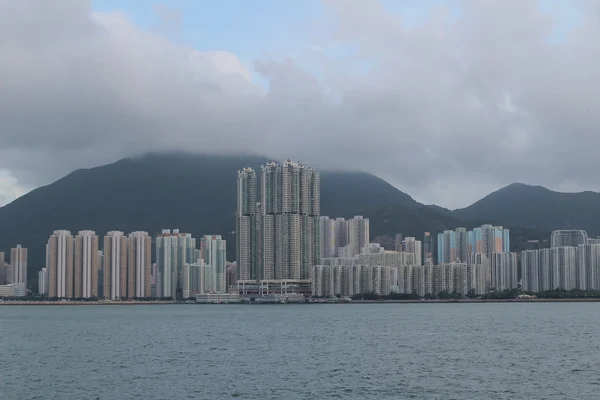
(86, 265)
(290, 210)
(139, 248)
(246, 229)
(59, 259)
(214, 254)
(18, 263)
(115, 265)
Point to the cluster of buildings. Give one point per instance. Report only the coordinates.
(456, 245)
(284, 247)
(77, 268)
(13, 276)
(341, 237)
(278, 227)
(571, 262)
(382, 272)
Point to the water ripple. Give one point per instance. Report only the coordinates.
(383, 351)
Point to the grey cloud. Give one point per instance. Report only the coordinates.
(449, 109)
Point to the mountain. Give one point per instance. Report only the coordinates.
(195, 193)
(538, 208)
(390, 219)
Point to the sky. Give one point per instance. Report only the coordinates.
(446, 100)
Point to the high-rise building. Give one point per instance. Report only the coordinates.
(173, 249)
(413, 246)
(214, 254)
(115, 265)
(428, 247)
(564, 263)
(18, 263)
(43, 281)
(230, 274)
(341, 234)
(398, 242)
(588, 266)
(86, 265)
(5, 274)
(247, 231)
(290, 211)
(446, 243)
(571, 237)
(139, 247)
(455, 245)
(329, 237)
(190, 280)
(530, 270)
(489, 239)
(100, 277)
(503, 270)
(59, 259)
(462, 244)
(358, 234)
(155, 285)
(187, 253)
(166, 260)
(545, 266)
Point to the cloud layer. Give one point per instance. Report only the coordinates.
(476, 95)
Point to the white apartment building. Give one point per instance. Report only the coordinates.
(349, 280)
(413, 246)
(59, 261)
(18, 263)
(43, 281)
(503, 271)
(214, 254)
(115, 265)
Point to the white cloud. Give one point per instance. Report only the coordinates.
(447, 108)
(9, 187)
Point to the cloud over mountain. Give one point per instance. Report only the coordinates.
(474, 95)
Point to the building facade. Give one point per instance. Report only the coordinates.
(59, 259)
(173, 249)
(115, 265)
(139, 248)
(18, 263)
(247, 228)
(290, 211)
(86, 265)
(214, 249)
(568, 237)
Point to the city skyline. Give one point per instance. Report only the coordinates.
(284, 238)
(71, 260)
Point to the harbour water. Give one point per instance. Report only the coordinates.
(356, 351)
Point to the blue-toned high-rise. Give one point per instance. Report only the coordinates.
(454, 245)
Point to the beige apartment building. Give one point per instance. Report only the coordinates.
(59, 257)
(86, 265)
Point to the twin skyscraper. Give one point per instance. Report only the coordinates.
(278, 233)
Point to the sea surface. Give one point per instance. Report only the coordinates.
(355, 351)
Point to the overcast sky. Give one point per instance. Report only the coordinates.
(447, 100)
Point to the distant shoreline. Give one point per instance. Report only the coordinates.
(83, 303)
(590, 300)
(437, 301)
